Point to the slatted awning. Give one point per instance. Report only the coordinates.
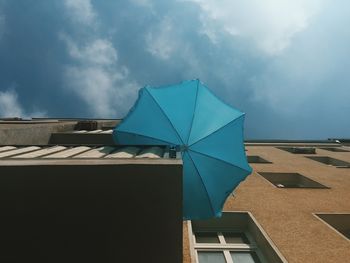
(82, 152)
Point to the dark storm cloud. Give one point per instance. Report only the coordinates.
(32, 56)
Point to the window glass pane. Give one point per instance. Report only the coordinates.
(235, 238)
(207, 237)
(211, 257)
(244, 257)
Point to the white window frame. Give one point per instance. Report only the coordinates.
(268, 252)
(226, 248)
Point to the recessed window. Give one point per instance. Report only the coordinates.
(291, 180)
(299, 150)
(330, 161)
(233, 238)
(334, 149)
(340, 222)
(256, 159)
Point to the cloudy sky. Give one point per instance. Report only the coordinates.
(286, 63)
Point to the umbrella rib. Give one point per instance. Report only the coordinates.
(178, 135)
(146, 136)
(206, 190)
(194, 111)
(217, 130)
(209, 156)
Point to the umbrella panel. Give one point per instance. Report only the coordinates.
(220, 178)
(225, 144)
(195, 194)
(178, 108)
(158, 127)
(210, 115)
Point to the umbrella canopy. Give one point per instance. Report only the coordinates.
(208, 132)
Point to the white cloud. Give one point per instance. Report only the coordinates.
(308, 74)
(270, 25)
(160, 40)
(81, 11)
(10, 106)
(95, 76)
(166, 41)
(96, 87)
(95, 52)
(98, 79)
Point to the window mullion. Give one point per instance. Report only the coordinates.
(221, 238)
(228, 257)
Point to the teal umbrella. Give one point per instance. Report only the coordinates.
(208, 132)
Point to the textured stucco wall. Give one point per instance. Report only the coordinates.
(287, 215)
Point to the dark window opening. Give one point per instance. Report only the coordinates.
(256, 159)
(330, 161)
(334, 149)
(340, 222)
(299, 150)
(207, 237)
(235, 238)
(291, 180)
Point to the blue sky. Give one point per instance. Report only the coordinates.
(285, 63)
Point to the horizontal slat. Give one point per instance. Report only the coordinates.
(6, 148)
(41, 152)
(81, 131)
(69, 152)
(18, 151)
(107, 132)
(94, 131)
(126, 152)
(96, 153)
(151, 152)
